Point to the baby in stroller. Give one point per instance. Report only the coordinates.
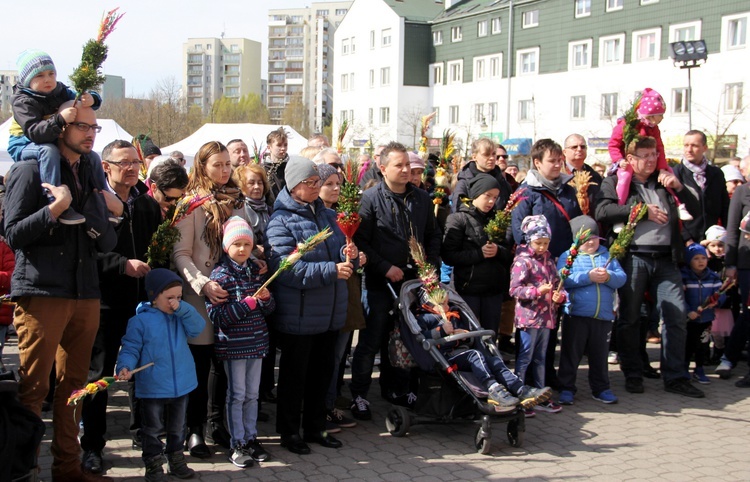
(505, 390)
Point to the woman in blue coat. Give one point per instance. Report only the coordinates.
(311, 300)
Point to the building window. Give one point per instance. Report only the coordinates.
(321, 13)
(455, 71)
(680, 101)
(611, 50)
(527, 62)
(497, 26)
(372, 78)
(496, 69)
(354, 47)
(492, 111)
(351, 81)
(437, 74)
(385, 76)
(385, 38)
(456, 34)
(685, 31)
(482, 28)
(579, 54)
(344, 82)
(370, 114)
(385, 116)
(344, 46)
(646, 45)
(733, 97)
(437, 37)
(436, 110)
(341, 11)
(583, 8)
(578, 107)
(525, 110)
(372, 39)
(478, 112)
(613, 5)
(453, 114)
(609, 106)
(734, 32)
(344, 116)
(480, 71)
(648, 2)
(530, 19)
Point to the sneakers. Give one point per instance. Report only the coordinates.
(71, 217)
(699, 375)
(178, 465)
(331, 426)
(613, 358)
(682, 386)
(743, 382)
(634, 385)
(724, 370)
(408, 400)
(530, 397)
(239, 457)
(256, 450)
(92, 462)
(529, 413)
(360, 409)
(566, 398)
(154, 470)
(606, 396)
(503, 401)
(549, 406)
(337, 417)
(683, 213)
(653, 337)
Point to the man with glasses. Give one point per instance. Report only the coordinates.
(168, 182)
(575, 152)
(121, 275)
(502, 163)
(651, 265)
(55, 283)
(329, 156)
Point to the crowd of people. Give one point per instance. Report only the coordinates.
(196, 332)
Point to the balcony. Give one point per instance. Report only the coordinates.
(193, 50)
(195, 72)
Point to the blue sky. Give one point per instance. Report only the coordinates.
(147, 43)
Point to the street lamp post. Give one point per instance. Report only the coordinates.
(689, 54)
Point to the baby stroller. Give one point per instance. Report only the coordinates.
(446, 395)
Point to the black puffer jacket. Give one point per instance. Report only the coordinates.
(120, 291)
(462, 248)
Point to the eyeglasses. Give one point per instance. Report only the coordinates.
(312, 183)
(126, 164)
(83, 127)
(579, 146)
(169, 199)
(337, 166)
(502, 156)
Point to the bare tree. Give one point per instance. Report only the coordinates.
(295, 115)
(410, 123)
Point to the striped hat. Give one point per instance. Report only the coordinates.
(235, 229)
(31, 63)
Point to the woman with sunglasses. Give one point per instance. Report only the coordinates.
(167, 182)
(311, 305)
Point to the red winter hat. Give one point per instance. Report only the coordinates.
(651, 103)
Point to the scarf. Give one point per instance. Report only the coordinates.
(699, 171)
(554, 185)
(218, 208)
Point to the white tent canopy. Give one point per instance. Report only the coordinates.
(226, 132)
(111, 131)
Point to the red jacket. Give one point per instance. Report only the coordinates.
(7, 263)
(617, 143)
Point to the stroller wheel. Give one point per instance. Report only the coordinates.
(397, 421)
(483, 441)
(515, 433)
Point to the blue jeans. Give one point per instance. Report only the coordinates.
(532, 353)
(48, 157)
(155, 414)
(243, 382)
(662, 279)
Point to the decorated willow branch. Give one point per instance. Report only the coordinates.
(302, 249)
(98, 386)
(340, 138)
(625, 236)
(581, 182)
(428, 275)
(166, 235)
(88, 75)
(424, 127)
(441, 190)
(347, 216)
(497, 228)
(580, 238)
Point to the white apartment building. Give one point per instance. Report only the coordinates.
(220, 67)
(300, 59)
(8, 79)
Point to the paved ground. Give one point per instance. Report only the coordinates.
(653, 436)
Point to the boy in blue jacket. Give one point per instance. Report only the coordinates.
(589, 313)
(158, 334)
(701, 285)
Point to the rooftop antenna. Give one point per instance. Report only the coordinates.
(223, 30)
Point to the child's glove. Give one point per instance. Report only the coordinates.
(250, 302)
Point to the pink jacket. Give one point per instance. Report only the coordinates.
(617, 144)
(528, 272)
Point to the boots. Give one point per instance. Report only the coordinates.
(154, 470)
(196, 444)
(178, 466)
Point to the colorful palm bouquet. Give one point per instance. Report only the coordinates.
(712, 300)
(88, 75)
(302, 249)
(166, 235)
(98, 386)
(429, 277)
(582, 236)
(340, 138)
(441, 190)
(424, 127)
(497, 228)
(347, 216)
(625, 236)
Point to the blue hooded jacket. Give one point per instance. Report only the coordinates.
(155, 336)
(698, 287)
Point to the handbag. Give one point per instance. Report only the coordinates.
(398, 354)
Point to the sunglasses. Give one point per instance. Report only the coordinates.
(502, 156)
(579, 146)
(169, 199)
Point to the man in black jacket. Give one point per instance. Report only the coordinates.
(55, 283)
(121, 275)
(706, 182)
(392, 212)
